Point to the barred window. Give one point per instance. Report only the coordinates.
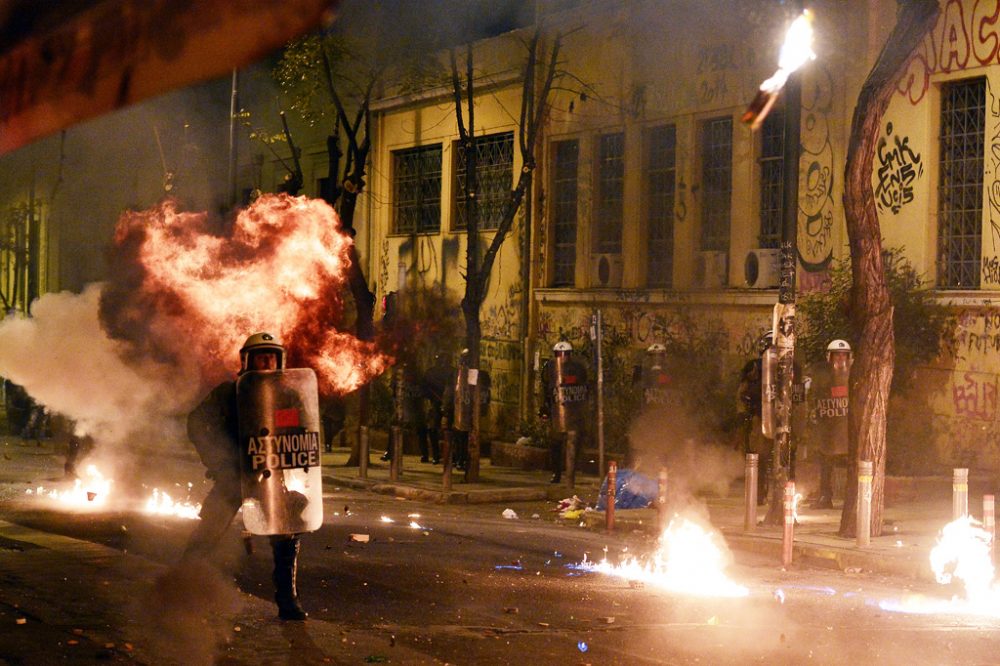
(494, 171)
(416, 174)
(772, 179)
(566, 156)
(717, 182)
(960, 183)
(610, 192)
(661, 171)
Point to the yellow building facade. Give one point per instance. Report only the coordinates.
(651, 196)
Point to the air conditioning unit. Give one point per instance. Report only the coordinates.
(710, 270)
(761, 268)
(606, 270)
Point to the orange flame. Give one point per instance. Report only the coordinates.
(691, 560)
(281, 269)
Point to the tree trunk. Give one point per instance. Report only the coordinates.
(364, 299)
(870, 306)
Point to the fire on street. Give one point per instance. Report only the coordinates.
(465, 587)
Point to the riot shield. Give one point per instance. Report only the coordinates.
(279, 430)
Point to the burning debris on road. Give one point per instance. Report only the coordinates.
(691, 560)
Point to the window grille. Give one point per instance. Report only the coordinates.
(564, 210)
(610, 192)
(960, 183)
(494, 171)
(417, 190)
(717, 182)
(660, 192)
(772, 179)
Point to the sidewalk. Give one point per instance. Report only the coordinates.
(423, 481)
(911, 524)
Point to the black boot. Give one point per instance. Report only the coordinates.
(286, 555)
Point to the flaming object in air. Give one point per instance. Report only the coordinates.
(691, 560)
(795, 52)
(195, 292)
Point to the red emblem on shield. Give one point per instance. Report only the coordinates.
(286, 418)
(838, 391)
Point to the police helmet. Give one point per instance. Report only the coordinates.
(656, 348)
(765, 342)
(261, 342)
(562, 347)
(837, 346)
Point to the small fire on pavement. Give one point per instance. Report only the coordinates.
(90, 491)
(962, 556)
(94, 490)
(691, 560)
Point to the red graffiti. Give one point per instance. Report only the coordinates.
(961, 39)
(975, 396)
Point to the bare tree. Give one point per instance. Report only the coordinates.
(870, 308)
(540, 72)
(332, 78)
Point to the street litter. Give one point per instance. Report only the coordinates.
(509, 514)
(581, 646)
(571, 508)
(360, 538)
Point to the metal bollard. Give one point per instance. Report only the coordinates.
(750, 493)
(788, 537)
(661, 500)
(396, 446)
(446, 457)
(989, 523)
(864, 516)
(960, 493)
(571, 459)
(363, 452)
(609, 507)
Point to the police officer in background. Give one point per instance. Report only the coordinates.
(435, 384)
(458, 400)
(749, 407)
(213, 428)
(657, 381)
(565, 395)
(829, 397)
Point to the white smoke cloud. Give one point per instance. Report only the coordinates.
(65, 361)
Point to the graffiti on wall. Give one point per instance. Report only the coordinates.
(974, 395)
(715, 63)
(898, 168)
(992, 177)
(966, 35)
(815, 240)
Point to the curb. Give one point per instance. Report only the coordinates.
(487, 496)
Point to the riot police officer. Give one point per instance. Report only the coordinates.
(829, 397)
(657, 382)
(749, 407)
(213, 427)
(565, 395)
(458, 407)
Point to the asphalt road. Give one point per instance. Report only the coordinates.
(470, 587)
